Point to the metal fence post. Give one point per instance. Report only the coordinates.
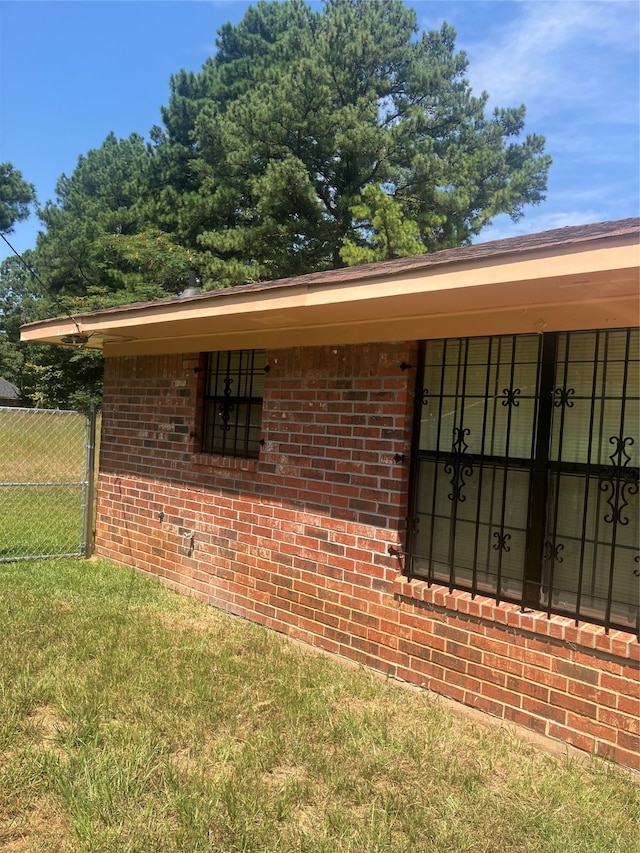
(92, 419)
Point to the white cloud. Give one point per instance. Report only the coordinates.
(504, 227)
(553, 52)
(520, 59)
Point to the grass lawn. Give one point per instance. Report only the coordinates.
(40, 520)
(133, 719)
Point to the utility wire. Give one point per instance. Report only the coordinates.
(35, 275)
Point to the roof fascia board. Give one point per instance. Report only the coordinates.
(538, 265)
(596, 313)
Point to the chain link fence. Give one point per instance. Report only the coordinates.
(46, 483)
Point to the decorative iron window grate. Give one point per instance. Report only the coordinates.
(525, 471)
(232, 403)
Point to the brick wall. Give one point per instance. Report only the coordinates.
(298, 540)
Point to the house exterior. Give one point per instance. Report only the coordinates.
(9, 393)
(428, 466)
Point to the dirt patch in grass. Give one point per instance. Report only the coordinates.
(283, 775)
(185, 761)
(213, 759)
(40, 828)
(49, 725)
(203, 623)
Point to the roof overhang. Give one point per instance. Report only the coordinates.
(511, 286)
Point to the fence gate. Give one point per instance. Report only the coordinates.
(46, 483)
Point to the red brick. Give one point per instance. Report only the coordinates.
(543, 676)
(465, 652)
(504, 695)
(544, 709)
(628, 740)
(527, 687)
(592, 694)
(451, 691)
(504, 664)
(484, 673)
(572, 703)
(628, 704)
(619, 721)
(603, 733)
(520, 718)
(626, 757)
(572, 737)
(489, 706)
(450, 632)
(616, 684)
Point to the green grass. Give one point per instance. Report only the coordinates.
(40, 520)
(133, 719)
(41, 446)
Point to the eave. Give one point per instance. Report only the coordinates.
(572, 278)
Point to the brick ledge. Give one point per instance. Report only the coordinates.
(619, 643)
(230, 462)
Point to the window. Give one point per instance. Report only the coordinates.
(525, 471)
(232, 403)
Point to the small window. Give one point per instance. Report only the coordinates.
(232, 404)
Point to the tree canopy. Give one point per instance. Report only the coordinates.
(309, 140)
(307, 129)
(16, 196)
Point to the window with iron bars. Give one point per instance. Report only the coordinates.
(232, 403)
(525, 471)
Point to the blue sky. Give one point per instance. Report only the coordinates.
(72, 71)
